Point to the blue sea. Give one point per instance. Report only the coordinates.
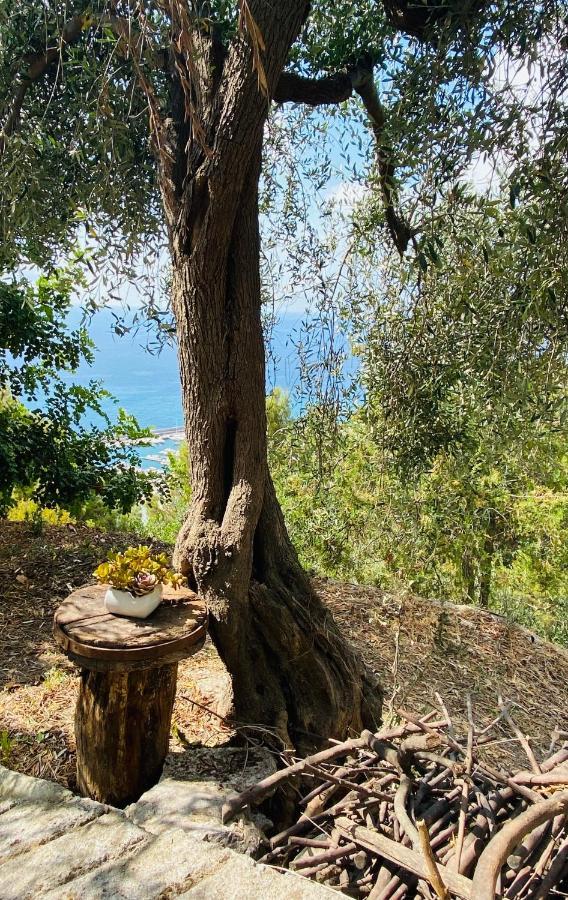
(147, 384)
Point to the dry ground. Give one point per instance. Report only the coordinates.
(416, 646)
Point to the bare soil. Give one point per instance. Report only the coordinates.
(416, 647)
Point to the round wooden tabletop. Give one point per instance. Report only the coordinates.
(95, 639)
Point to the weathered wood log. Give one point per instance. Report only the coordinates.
(122, 729)
(330, 855)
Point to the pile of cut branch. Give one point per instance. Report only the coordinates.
(417, 811)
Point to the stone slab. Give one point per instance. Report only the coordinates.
(32, 873)
(15, 786)
(31, 823)
(168, 862)
(195, 804)
(177, 864)
(239, 878)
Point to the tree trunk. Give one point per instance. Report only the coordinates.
(290, 667)
(122, 730)
(468, 575)
(486, 562)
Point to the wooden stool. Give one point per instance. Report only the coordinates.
(128, 686)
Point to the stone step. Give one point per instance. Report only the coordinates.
(178, 864)
(33, 873)
(239, 878)
(15, 786)
(194, 802)
(30, 823)
(54, 846)
(168, 862)
(195, 807)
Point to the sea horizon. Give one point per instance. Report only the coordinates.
(147, 384)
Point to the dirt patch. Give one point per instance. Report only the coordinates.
(415, 646)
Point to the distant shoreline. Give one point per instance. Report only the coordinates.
(172, 434)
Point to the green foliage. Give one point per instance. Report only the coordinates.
(473, 348)
(68, 169)
(456, 530)
(137, 570)
(162, 514)
(492, 532)
(6, 745)
(47, 451)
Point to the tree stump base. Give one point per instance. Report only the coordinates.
(128, 687)
(122, 730)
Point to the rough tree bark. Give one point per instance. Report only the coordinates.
(290, 667)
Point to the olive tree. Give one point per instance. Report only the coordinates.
(120, 118)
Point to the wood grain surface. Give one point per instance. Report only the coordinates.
(95, 639)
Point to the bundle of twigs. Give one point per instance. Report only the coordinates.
(416, 811)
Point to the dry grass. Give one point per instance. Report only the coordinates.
(38, 686)
(440, 647)
(418, 647)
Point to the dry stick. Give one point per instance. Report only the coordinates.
(545, 778)
(443, 836)
(431, 867)
(410, 860)
(385, 734)
(340, 773)
(528, 846)
(554, 874)
(523, 791)
(309, 873)
(465, 786)
(306, 820)
(431, 779)
(400, 812)
(499, 847)
(538, 868)
(394, 890)
(259, 791)
(309, 842)
(473, 843)
(303, 823)
(451, 730)
(556, 759)
(520, 736)
(522, 878)
(483, 770)
(500, 777)
(428, 729)
(384, 878)
(351, 785)
(331, 855)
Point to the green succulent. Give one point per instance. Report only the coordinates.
(138, 571)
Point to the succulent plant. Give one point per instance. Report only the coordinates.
(138, 571)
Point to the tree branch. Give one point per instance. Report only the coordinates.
(364, 84)
(71, 33)
(292, 88)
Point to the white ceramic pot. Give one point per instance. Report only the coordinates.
(123, 603)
